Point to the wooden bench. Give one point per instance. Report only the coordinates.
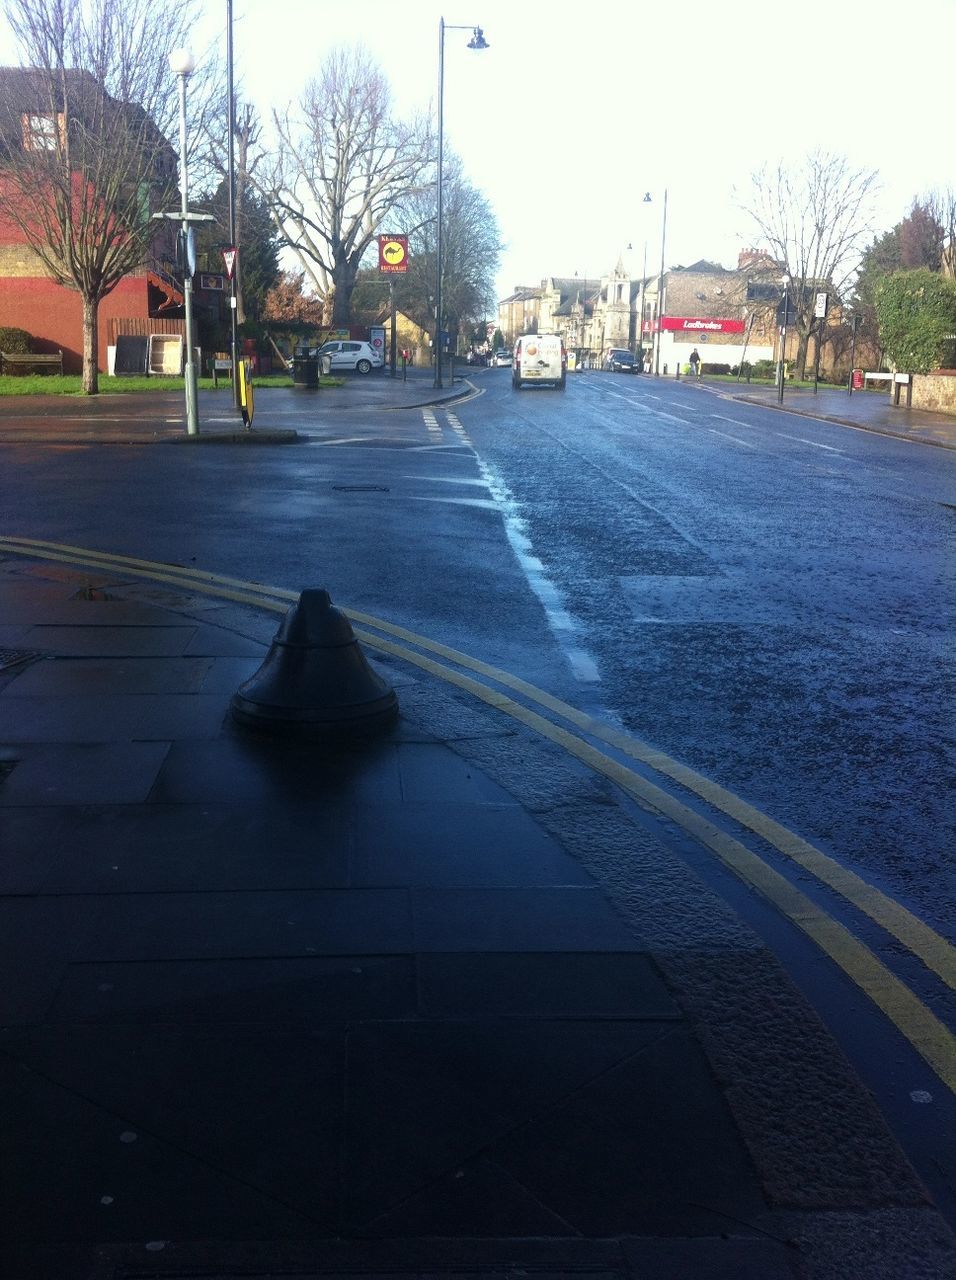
(20, 361)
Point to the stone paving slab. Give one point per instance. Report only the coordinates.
(273, 1008)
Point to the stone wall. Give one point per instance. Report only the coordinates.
(935, 391)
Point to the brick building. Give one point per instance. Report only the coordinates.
(150, 300)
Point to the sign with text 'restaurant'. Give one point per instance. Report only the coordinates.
(701, 324)
(393, 254)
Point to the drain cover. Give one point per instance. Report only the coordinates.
(17, 657)
(361, 488)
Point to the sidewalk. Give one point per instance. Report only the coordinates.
(436, 1004)
(867, 410)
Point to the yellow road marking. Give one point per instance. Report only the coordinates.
(914, 934)
(931, 1039)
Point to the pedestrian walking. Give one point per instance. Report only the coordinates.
(695, 363)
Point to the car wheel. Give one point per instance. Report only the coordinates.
(363, 366)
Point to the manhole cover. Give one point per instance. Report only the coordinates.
(361, 488)
(92, 593)
(17, 657)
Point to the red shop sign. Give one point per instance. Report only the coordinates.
(702, 324)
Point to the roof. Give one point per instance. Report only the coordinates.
(703, 267)
(36, 91)
(522, 293)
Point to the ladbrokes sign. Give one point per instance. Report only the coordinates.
(703, 324)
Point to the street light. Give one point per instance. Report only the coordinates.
(660, 286)
(231, 172)
(640, 322)
(477, 41)
(583, 299)
(183, 64)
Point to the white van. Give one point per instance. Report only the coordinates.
(539, 357)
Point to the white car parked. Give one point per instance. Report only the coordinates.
(360, 356)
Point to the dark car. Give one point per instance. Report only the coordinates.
(621, 362)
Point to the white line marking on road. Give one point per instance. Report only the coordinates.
(480, 484)
(483, 504)
(346, 440)
(746, 443)
(736, 421)
(813, 443)
(583, 666)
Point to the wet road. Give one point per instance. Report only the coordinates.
(766, 597)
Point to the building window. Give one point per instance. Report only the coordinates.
(41, 132)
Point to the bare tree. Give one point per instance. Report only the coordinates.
(942, 207)
(344, 163)
(249, 157)
(814, 220)
(83, 139)
(471, 248)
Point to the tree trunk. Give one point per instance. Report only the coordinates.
(803, 344)
(343, 279)
(91, 383)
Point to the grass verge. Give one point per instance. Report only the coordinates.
(72, 384)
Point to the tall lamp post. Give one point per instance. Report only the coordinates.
(477, 41)
(231, 166)
(183, 64)
(660, 286)
(640, 322)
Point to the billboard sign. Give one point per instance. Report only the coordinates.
(393, 254)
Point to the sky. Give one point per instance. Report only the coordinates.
(573, 114)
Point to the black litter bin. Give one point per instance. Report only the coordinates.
(305, 368)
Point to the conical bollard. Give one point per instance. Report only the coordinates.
(315, 681)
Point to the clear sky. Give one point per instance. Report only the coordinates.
(575, 111)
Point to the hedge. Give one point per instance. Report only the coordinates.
(16, 342)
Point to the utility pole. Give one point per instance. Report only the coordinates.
(231, 153)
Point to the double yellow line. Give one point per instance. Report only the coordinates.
(930, 1037)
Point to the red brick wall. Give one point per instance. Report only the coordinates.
(53, 316)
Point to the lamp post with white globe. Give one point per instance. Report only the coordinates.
(182, 64)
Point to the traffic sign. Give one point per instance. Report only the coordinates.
(393, 254)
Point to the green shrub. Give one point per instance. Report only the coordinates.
(16, 342)
(917, 314)
(764, 369)
(715, 368)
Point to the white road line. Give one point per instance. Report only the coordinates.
(813, 443)
(736, 421)
(746, 443)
